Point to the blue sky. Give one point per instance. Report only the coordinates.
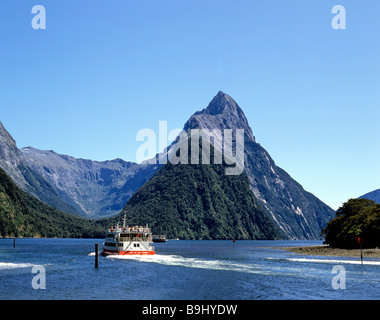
(101, 71)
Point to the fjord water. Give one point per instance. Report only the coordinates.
(181, 269)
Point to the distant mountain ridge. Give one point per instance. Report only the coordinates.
(96, 188)
(373, 195)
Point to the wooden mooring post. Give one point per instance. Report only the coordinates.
(360, 241)
(96, 255)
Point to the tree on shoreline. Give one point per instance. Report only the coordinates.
(355, 218)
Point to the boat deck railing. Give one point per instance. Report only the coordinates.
(130, 229)
(134, 239)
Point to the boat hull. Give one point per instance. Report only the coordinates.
(107, 252)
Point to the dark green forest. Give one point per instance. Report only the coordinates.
(199, 201)
(355, 218)
(22, 215)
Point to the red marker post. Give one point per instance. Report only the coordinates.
(360, 242)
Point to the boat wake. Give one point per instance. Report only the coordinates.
(9, 265)
(176, 260)
(333, 261)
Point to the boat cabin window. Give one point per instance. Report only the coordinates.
(110, 244)
(136, 245)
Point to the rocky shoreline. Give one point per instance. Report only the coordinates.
(325, 250)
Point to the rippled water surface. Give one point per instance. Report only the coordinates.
(181, 270)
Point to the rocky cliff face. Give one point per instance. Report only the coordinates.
(10, 157)
(298, 213)
(14, 164)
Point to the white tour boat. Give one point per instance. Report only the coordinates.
(128, 240)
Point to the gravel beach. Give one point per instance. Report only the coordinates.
(324, 250)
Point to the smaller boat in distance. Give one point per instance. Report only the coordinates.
(128, 240)
(159, 238)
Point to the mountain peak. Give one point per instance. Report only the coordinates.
(221, 103)
(222, 113)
